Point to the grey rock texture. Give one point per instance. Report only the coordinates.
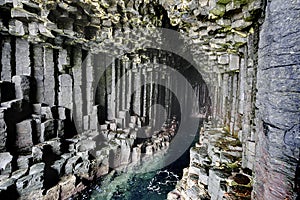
(55, 105)
(278, 102)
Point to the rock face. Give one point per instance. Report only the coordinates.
(77, 93)
(278, 103)
(215, 170)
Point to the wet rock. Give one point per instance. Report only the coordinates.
(67, 186)
(53, 193)
(71, 163)
(59, 165)
(6, 184)
(33, 181)
(215, 186)
(86, 145)
(19, 173)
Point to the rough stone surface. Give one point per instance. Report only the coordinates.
(24, 134)
(278, 58)
(251, 92)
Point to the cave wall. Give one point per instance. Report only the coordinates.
(277, 123)
(245, 51)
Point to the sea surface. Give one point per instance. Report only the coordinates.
(139, 185)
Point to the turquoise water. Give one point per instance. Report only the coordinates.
(142, 184)
(152, 185)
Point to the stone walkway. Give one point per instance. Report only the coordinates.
(215, 169)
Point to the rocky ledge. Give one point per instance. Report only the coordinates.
(59, 168)
(215, 170)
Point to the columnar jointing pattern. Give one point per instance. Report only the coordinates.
(55, 91)
(138, 87)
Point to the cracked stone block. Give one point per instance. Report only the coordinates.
(59, 165)
(120, 122)
(104, 127)
(38, 72)
(216, 177)
(5, 186)
(56, 145)
(203, 177)
(60, 128)
(126, 116)
(6, 60)
(22, 57)
(22, 87)
(149, 150)
(53, 193)
(19, 173)
(125, 152)
(86, 122)
(63, 60)
(234, 63)
(3, 133)
(46, 112)
(114, 155)
(65, 91)
(240, 24)
(33, 28)
(23, 161)
(37, 153)
(223, 59)
(62, 113)
(94, 122)
(44, 31)
(136, 154)
(86, 145)
(113, 126)
(16, 28)
(37, 168)
(67, 186)
(83, 168)
(71, 163)
(33, 181)
(47, 130)
(24, 132)
(5, 163)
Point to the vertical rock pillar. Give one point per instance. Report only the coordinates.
(65, 96)
(77, 94)
(112, 96)
(6, 71)
(137, 89)
(22, 57)
(49, 80)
